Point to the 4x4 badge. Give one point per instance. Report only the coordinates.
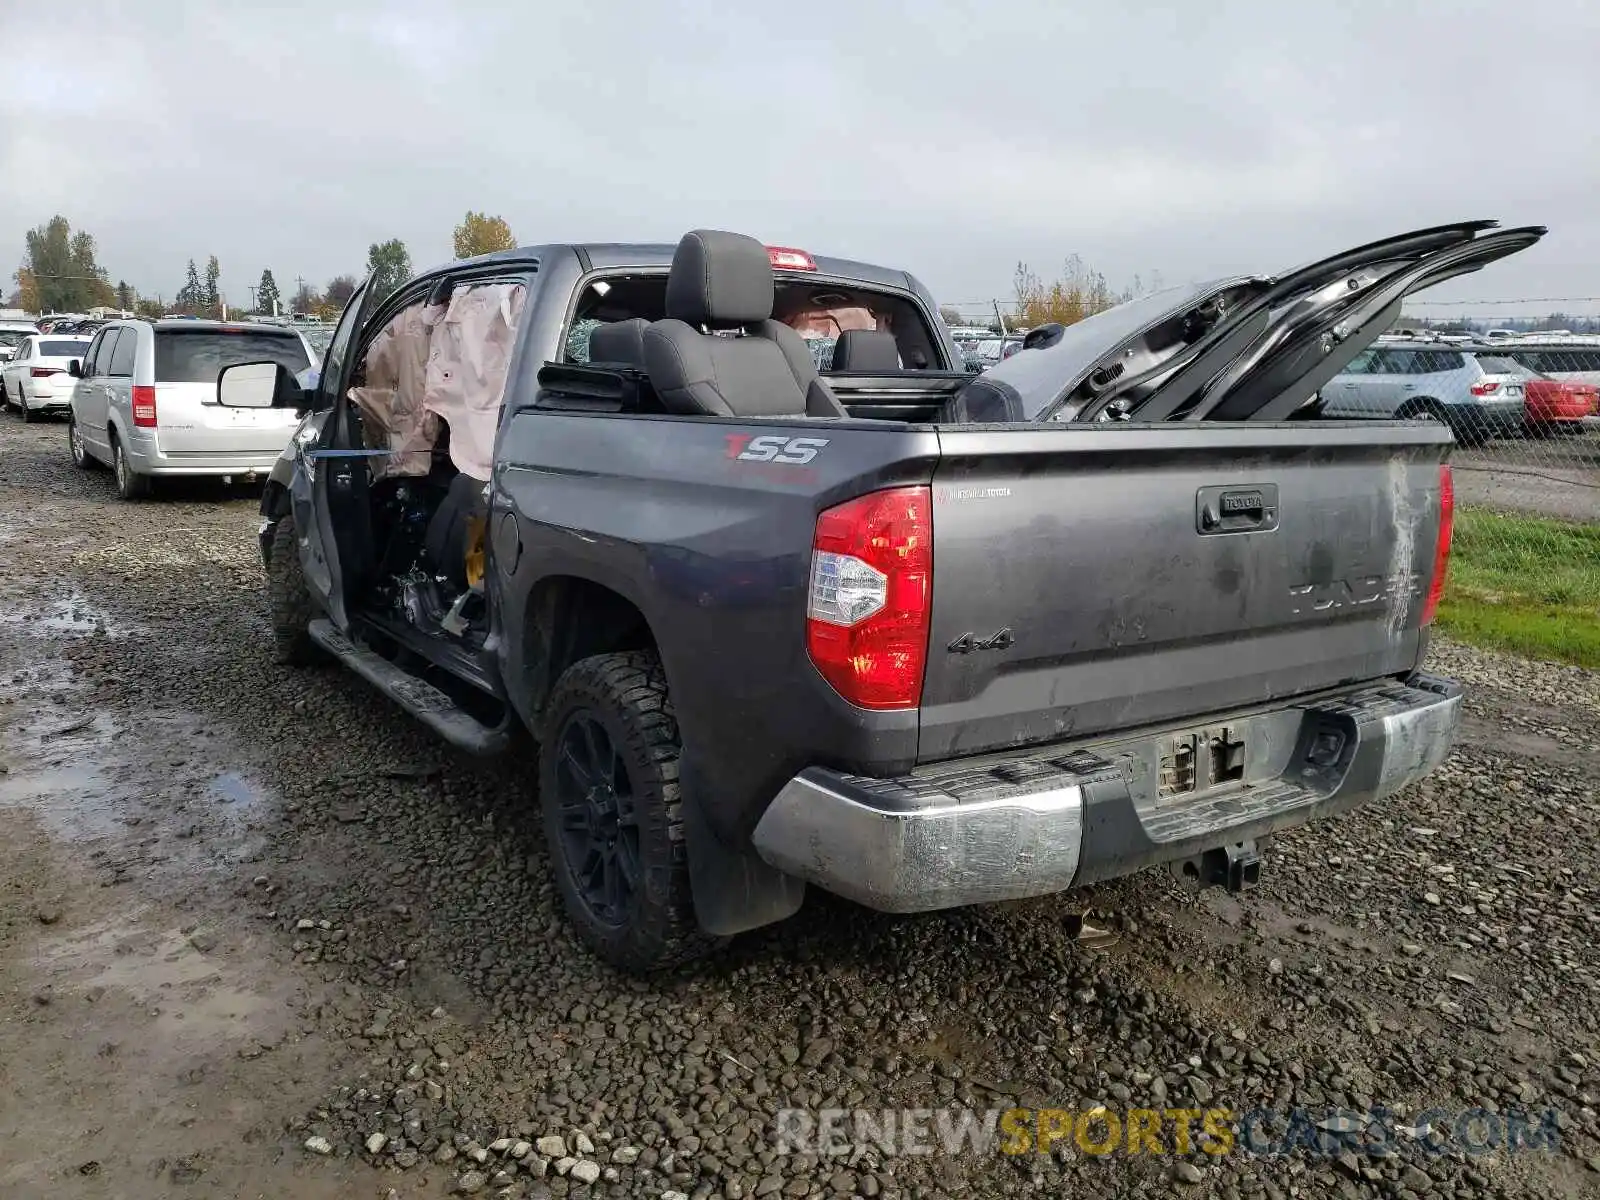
(968, 642)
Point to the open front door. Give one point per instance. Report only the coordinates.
(330, 464)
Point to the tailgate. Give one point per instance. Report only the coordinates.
(190, 421)
(1095, 578)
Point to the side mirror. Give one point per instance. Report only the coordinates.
(258, 385)
(75, 368)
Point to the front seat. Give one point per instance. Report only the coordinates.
(449, 533)
(719, 353)
(865, 350)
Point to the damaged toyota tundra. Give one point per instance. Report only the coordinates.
(784, 596)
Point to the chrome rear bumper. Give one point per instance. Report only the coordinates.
(975, 831)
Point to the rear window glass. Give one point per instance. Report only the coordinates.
(54, 349)
(198, 355)
(1501, 366)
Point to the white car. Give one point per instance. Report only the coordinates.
(37, 380)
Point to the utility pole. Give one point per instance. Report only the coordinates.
(299, 288)
(251, 289)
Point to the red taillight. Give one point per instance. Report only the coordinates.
(787, 258)
(1441, 552)
(1485, 389)
(43, 372)
(144, 407)
(870, 596)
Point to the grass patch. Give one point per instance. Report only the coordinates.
(1525, 584)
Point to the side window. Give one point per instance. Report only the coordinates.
(1586, 360)
(122, 355)
(90, 353)
(103, 351)
(333, 364)
(26, 352)
(1444, 360)
(1361, 364)
(1391, 362)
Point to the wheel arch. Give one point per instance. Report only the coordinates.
(568, 618)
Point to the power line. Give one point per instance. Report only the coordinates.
(986, 303)
(1527, 300)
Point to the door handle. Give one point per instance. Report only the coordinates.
(1410, 387)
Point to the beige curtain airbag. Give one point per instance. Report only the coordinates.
(469, 355)
(440, 362)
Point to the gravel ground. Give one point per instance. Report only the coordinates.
(262, 936)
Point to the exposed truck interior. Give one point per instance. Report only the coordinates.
(425, 403)
(877, 349)
(429, 388)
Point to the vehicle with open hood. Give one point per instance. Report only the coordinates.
(917, 637)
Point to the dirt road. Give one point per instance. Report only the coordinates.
(262, 937)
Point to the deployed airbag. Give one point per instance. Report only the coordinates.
(435, 363)
(391, 398)
(469, 356)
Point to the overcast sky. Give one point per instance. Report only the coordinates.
(950, 138)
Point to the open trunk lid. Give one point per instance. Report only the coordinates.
(1099, 578)
(1249, 348)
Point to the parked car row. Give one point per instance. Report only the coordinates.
(1480, 390)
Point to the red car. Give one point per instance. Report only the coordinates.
(1558, 405)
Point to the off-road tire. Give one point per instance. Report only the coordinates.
(289, 603)
(626, 694)
(130, 486)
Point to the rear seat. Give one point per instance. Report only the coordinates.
(620, 342)
(865, 350)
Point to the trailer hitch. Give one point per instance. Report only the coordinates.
(1234, 867)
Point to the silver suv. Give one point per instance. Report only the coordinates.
(1440, 382)
(145, 401)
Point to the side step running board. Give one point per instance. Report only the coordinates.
(422, 700)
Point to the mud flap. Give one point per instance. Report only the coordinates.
(733, 889)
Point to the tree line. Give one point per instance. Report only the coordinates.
(61, 272)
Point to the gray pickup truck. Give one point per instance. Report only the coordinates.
(917, 637)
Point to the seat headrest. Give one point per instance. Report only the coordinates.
(866, 350)
(619, 342)
(719, 280)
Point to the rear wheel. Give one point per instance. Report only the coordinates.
(613, 812)
(28, 414)
(289, 600)
(130, 484)
(80, 456)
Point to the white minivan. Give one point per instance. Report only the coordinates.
(145, 401)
